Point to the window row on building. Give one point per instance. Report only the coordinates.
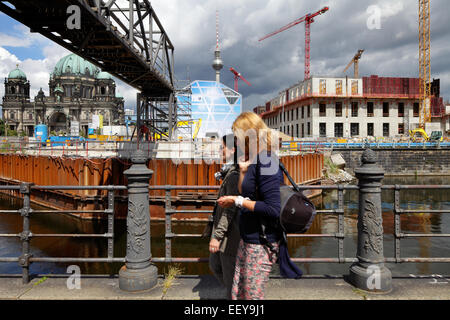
(289, 115)
(318, 86)
(397, 109)
(299, 130)
(355, 129)
(356, 110)
(302, 130)
(338, 118)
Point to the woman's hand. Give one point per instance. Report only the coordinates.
(214, 245)
(226, 201)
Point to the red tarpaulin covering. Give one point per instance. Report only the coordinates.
(390, 86)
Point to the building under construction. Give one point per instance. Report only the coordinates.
(351, 107)
(369, 106)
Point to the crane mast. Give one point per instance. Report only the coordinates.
(308, 19)
(424, 62)
(355, 62)
(238, 76)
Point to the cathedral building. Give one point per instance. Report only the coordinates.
(78, 90)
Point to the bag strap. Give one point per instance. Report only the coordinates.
(262, 221)
(283, 168)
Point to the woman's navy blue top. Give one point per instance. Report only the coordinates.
(266, 180)
(262, 183)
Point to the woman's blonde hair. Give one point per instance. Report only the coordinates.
(248, 121)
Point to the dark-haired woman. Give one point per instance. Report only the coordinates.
(225, 233)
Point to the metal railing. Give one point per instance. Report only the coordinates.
(169, 235)
(370, 235)
(401, 235)
(169, 212)
(26, 235)
(339, 235)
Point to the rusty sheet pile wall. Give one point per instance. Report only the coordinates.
(304, 168)
(43, 170)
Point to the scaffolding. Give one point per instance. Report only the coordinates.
(183, 127)
(155, 117)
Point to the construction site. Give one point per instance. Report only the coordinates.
(333, 108)
(126, 192)
(178, 124)
(359, 108)
(339, 109)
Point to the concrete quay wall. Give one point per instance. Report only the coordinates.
(403, 161)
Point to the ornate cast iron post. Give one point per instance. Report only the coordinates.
(138, 273)
(25, 236)
(370, 273)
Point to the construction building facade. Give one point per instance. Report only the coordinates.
(325, 107)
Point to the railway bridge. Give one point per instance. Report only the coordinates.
(124, 38)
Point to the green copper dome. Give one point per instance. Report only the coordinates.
(104, 76)
(17, 74)
(75, 65)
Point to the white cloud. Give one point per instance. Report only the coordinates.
(7, 58)
(390, 9)
(128, 93)
(8, 62)
(12, 41)
(20, 36)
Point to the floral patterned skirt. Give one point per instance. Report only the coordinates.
(253, 265)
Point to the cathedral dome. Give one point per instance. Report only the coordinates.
(17, 74)
(74, 65)
(104, 76)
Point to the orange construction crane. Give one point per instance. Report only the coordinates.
(238, 76)
(424, 62)
(308, 19)
(354, 61)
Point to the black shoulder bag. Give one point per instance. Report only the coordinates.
(297, 211)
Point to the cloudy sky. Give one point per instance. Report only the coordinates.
(391, 48)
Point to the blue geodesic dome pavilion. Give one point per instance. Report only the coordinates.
(215, 104)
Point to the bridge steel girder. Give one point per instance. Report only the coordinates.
(129, 43)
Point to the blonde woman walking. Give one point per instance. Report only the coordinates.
(259, 188)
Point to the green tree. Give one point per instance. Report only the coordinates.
(3, 127)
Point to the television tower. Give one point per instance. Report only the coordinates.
(217, 63)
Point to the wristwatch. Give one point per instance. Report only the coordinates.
(239, 201)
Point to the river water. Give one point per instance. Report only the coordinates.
(192, 247)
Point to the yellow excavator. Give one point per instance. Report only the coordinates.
(420, 135)
(197, 124)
